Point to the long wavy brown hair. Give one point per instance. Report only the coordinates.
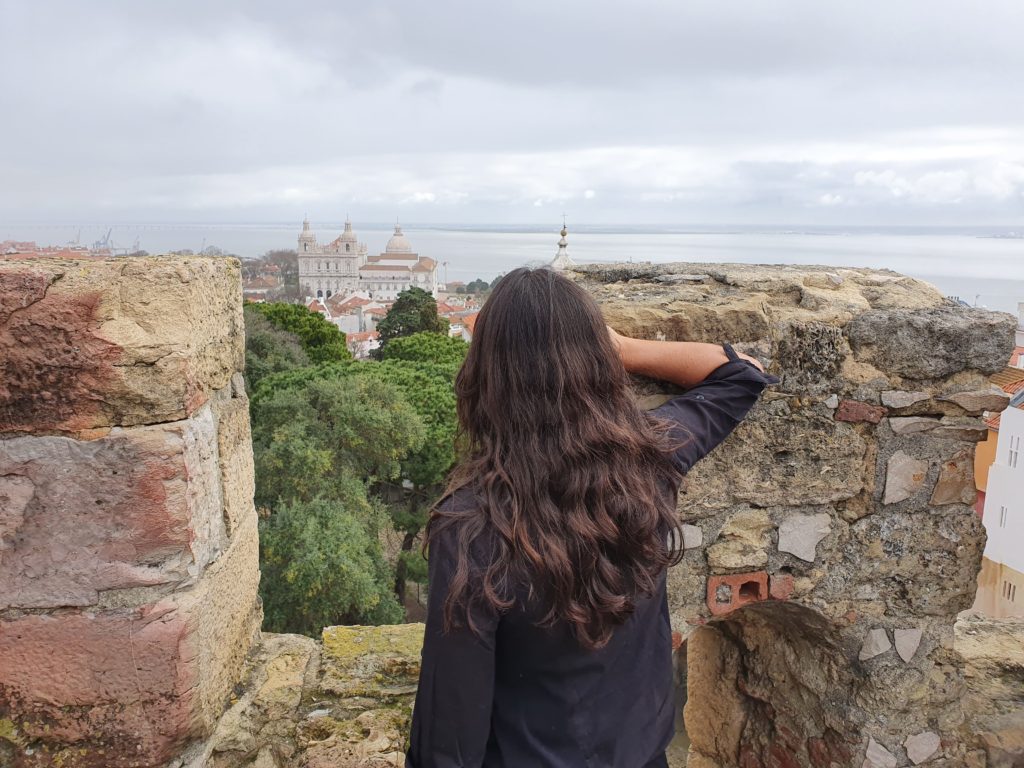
(572, 479)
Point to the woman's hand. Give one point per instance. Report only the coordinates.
(749, 359)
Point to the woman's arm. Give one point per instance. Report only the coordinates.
(685, 363)
(721, 384)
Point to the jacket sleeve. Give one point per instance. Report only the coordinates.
(704, 415)
(451, 719)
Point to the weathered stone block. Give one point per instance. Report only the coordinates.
(855, 411)
(900, 547)
(904, 476)
(931, 343)
(128, 687)
(956, 481)
(371, 661)
(742, 542)
(780, 586)
(234, 446)
(139, 507)
(976, 403)
(119, 342)
(898, 399)
(792, 458)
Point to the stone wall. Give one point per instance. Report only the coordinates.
(831, 540)
(128, 541)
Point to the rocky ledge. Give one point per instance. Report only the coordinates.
(346, 701)
(343, 702)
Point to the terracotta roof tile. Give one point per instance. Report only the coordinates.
(387, 267)
(1008, 377)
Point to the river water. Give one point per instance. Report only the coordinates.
(968, 262)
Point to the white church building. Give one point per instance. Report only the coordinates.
(343, 266)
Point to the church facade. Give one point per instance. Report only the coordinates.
(344, 266)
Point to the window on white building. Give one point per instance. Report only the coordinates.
(1009, 592)
(1002, 516)
(1014, 451)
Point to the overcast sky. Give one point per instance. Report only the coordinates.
(673, 112)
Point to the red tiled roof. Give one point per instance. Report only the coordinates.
(1007, 378)
(316, 306)
(362, 336)
(261, 282)
(388, 267)
(393, 257)
(470, 321)
(338, 303)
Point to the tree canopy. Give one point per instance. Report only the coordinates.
(426, 347)
(322, 564)
(268, 349)
(310, 435)
(322, 340)
(346, 453)
(413, 311)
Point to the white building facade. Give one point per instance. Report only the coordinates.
(344, 267)
(1004, 512)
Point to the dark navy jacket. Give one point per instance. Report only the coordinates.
(522, 696)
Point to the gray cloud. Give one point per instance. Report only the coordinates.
(668, 112)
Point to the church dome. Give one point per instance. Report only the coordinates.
(398, 242)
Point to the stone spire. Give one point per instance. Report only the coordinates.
(307, 240)
(348, 236)
(562, 260)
